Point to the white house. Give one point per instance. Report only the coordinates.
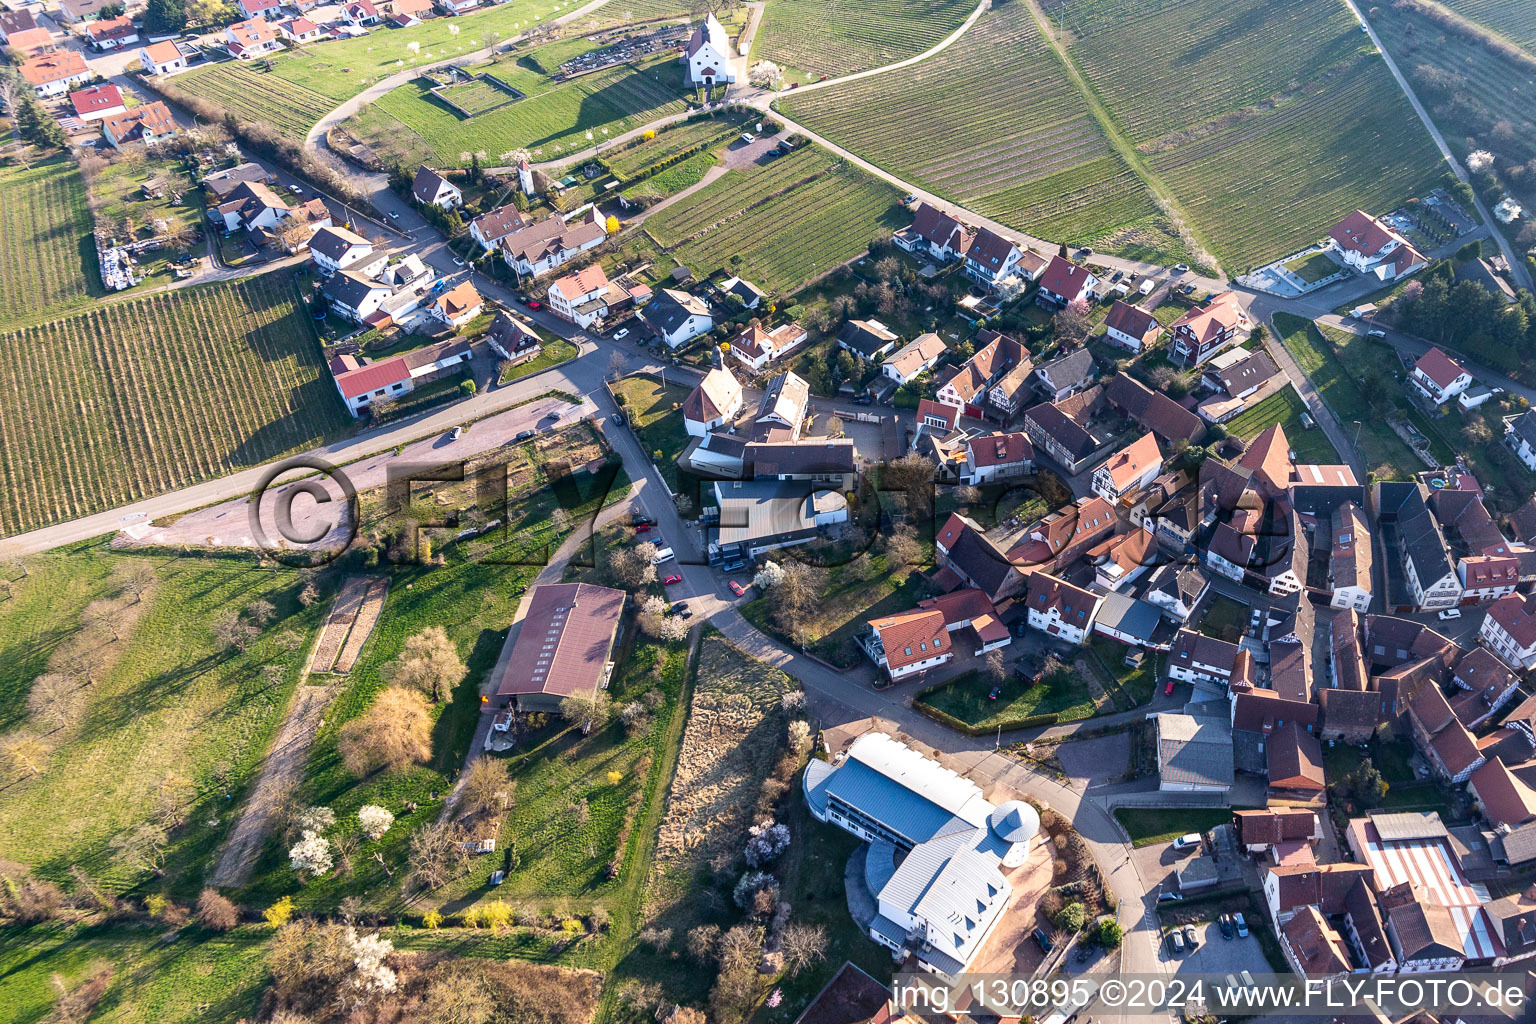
(458, 305)
(247, 40)
(1520, 436)
(1350, 558)
(580, 297)
(909, 643)
(360, 12)
(677, 317)
(757, 347)
(489, 229)
(538, 248)
(992, 457)
(713, 402)
(936, 848)
(1485, 578)
(252, 206)
(144, 123)
(991, 258)
(1131, 327)
(259, 8)
(98, 102)
(300, 30)
(1367, 245)
(363, 384)
(1128, 470)
(354, 296)
(934, 233)
(336, 248)
(112, 33)
(915, 358)
(431, 189)
(457, 6)
(1064, 283)
(1510, 630)
(1060, 609)
(1438, 377)
(162, 58)
(54, 74)
(708, 55)
(1199, 658)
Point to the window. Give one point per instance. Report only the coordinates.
(908, 651)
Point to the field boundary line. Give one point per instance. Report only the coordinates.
(936, 48)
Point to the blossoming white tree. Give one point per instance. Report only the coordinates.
(375, 820)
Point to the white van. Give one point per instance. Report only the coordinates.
(662, 554)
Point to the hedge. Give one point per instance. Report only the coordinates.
(922, 707)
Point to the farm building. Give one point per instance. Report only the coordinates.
(565, 646)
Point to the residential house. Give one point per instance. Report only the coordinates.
(248, 40)
(1061, 429)
(97, 102)
(1484, 684)
(1067, 374)
(991, 258)
(1059, 608)
(1312, 947)
(781, 411)
(708, 55)
(336, 248)
(1445, 743)
(54, 74)
(1131, 327)
(1438, 377)
(1240, 372)
(936, 847)
(832, 462)
(1514, 917)
(586, 296)
(990, 458)
(361, 385)
(1205, 330)
(1262, 831)
(1368, 246)
(1155, 411)
(1120, 559)
(973, 560)
(1486, 578)
(112, 33)
(1520, 437)
(15, 22)
(713, 402)
(431, 189)
(1199, 658)
(970, 387)
(1194, 754)
(935, 234)
(565, 647)
(489, 229)
(968, 612)
(259, 8)
(1130, 469)
(250, 206)
(456, 7)
(1295, 760)
(1064, 282)
(75, 12)
(1502, 797)
(513, 339)
(379, 301)
(544, 245)
(146, 122)
(165, 57)
(1420, 549)
(300, 30)
(30, 41)
(757, 347)
(758, 516)
(219, 184)
(677, 317)
(915, 358)
(1349, 559)
(1510, 630)
(909, 643)
(1063, 536)
(751, 295)
(867, 339)
(458, 305)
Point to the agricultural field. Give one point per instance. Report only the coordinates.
(853, 35)
(1513, 19)
(778, 224)
(674, 179)
(1264, 149)
(679, 138)
(139, 397)
(551, 119)
(304, 84)
(47, 257)
(1006, 133)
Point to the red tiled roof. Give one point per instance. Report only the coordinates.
(1516, 615)
(112, 28)
(959, 606)
(949, 413)
(372, 377)
(912, 636)
(1295, 759)
(1073, 605)
(95, 99)
(1223, 312)
(54, 67)
(153, 117)
(1269, 457)
(1063, 277)
(1505, 799)
(1133, 460)
(1275, 825)
(999, 449)
(1439, 367)
(459, 300)
(28, 39)
(1132, 320)
(1362, 233)
(163, 52)
(583, 282)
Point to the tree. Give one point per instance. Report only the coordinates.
(458, 1000)
(429, 662)
(611, 225)
(23, 754)
(912, 476)
(1366, 784)
(704, 943)
(394, 733)
(803, 946)
(78, 1003)
(374, 820)
(633, 567)
(617, 364)
(48, 702)
(487, 785)
(216, 912)
(279, 913)
(437, 854)
(587, 711)
(769, 576)
(997, 670)
(309, 595)
(311, 855)
(173, 800)
(141, 848)
(800, 737)
(1072, 325)
(766, 843)
(1071, 917)
(232, 631)
(901, 547)
(1108, 933)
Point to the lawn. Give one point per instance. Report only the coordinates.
(853, 35)
(1381, 451)
(779, 224)
(1225, 619)
(655, 414)
(553, 353)
(1138, 683)
(674, 179)
(705, 130)
(1265, 145)
(409, 123)
(47, 257)
(1065, 695)
(1004, 132)
(1313, 267)
(1148, 826)
(1285, 408)
(140, 397)
(163, 698)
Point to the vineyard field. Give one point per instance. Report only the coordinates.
(258, 96)
(139, 397)
(780, 224)
(47, 258)
(1003, 132)
(1513, 19)
(845, 36)
(669, 142)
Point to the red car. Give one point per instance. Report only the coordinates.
(534, 304)
(737, 588)
(643, 528)
(1168, 690)
(674, 578)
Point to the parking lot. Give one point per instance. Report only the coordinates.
(1215, 954)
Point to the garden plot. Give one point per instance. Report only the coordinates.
(47, 259)
(145, 396)
(347, 628)
(853, 35)
(1004, 132)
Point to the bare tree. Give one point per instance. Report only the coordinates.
(216, 912)
(49, 700)
(997, 671)
(23, 754)
(437, 854)
(587, 711)
(459, 1000)
(394, 733)
(803, 946)
(77, 1003)
(487, 785)
(141, 848)
(230, 630)
(617, 364)
(902, 548)
(429, 662)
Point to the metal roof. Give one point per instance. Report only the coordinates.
(1401, 826)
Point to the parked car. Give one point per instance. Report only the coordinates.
(682, 611)
(1168, 690)
(523, 435)
(1175, 942)
(1084, 252)
(1240, 924)
(458, 261)
(394, 215)
(1190, 937)
(1376, 334)
(640, 519)
(1187, 842)
(662, 554)
(1043, 940)
(1181, 268)
(455, 433)
(911, 198)
(1450, 613)
(534, 304)
(674, 578)
(618, 418)
(1224, 922)
(994, 693)
(737, 588)
(643, 528)
(748, 137)
(740, 563)
(1169, 897)
(621, 334)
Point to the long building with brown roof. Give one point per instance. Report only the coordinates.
(563, 648)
